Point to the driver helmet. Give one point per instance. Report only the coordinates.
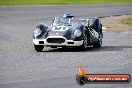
(68, 15)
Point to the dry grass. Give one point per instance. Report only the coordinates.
(113, 24)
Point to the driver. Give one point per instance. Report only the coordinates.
(68, 17)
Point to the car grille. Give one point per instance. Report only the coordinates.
(56, 40)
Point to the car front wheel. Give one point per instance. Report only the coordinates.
(85, 42)
(38, 48)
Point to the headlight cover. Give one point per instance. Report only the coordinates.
(37, 31)
(77, 33)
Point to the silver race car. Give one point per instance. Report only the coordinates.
(68, 32)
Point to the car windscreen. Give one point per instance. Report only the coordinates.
(60, 20)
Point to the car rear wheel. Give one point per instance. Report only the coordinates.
(38, 48)
(97, 44)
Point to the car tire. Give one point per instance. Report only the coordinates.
(38, 48)
(97, 44)
(84, 45)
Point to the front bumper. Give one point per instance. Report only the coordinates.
(65, 43)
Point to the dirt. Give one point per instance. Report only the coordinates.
(112, 24)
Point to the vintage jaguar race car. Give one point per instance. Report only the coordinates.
(68, 32)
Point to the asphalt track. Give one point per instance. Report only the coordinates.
(22, 67)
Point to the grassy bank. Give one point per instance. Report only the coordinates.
(127, 21)
(42, 2)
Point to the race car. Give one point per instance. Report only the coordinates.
(68, 32)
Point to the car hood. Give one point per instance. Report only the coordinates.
(61, 30)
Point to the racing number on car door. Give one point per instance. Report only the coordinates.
(60, 28)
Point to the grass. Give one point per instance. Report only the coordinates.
(42, 2)
(127, 21)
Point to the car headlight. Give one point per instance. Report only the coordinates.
(77, 33)
(37, 31)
